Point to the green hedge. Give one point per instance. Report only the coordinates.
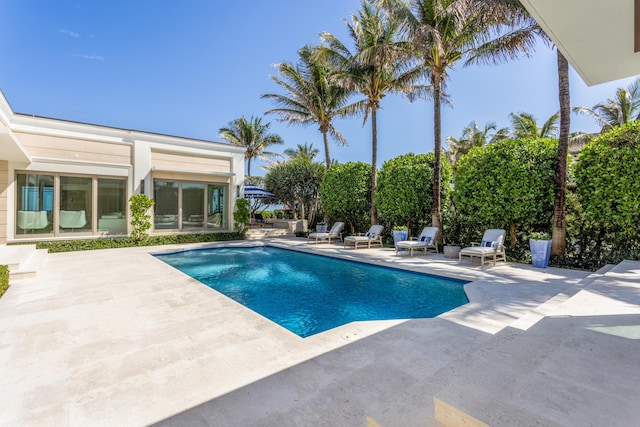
(4, 279)
(127, 242)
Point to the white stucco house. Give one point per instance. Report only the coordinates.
(65, 180)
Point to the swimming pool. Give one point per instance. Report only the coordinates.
(308, 294)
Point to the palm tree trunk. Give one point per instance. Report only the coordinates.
(436, 220)
(374, 161)
(326, 149)
(559, 227)
(248, 166)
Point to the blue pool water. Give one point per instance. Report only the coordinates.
(308, 294)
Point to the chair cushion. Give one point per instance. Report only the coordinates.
(489, 244)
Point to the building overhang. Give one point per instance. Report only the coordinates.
(597, 37)
(10, 147)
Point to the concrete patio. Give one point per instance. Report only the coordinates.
(117, 337)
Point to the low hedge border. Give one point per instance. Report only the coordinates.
(128, 242)
(4, 279)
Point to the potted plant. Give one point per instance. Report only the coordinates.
(321, 227)
(540, 245)
(400, 233)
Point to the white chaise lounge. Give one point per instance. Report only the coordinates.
(491, 248)
(426, 240)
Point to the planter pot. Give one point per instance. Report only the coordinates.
(451, 251)
(321, 228)
(540, 251)
(398, 236)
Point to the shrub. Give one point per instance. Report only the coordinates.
(241, 215)
(4, 279)
(608, 187)
(140, 219)
(508, 184)
(403, 193)
(127, 242)
(345, 193)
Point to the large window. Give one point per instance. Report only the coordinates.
(35, 204)
(217, 205)
(73, 203)
(112, 205)
(182, 205)
(165, 194)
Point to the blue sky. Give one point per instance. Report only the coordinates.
(188, 68)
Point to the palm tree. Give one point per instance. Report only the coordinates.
(305, 151)
(253, 136)
(472, 136)
(380, 64)
(510, 47)
(312, 96)
(441, 32)
(524, 125)
(624, 108)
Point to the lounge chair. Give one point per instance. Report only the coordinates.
(371, 237)
(426, 240)
(492, 247)
(334, 233)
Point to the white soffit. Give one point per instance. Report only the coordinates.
(596, 36)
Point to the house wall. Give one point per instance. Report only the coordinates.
(74, 149)
(4, 181)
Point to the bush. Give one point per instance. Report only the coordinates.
(403, 193)
(140, 219)
(241, 215)
(608, 187)
(4, 279)
(508, 184)
(127, 242)
(345, 193)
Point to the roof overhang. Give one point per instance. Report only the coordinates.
(597, 37)
(10, 147)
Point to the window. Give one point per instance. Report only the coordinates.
(112, 205)
(182, 205)
(165, 194)
(35, 204)
(75, 204)
(192, 205)
(217, 202)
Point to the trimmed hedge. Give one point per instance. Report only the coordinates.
(4, 279)
(128, 242)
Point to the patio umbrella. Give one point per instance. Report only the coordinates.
(254, 192)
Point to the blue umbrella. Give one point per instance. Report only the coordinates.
(253, 192)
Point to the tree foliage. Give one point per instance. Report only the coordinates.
(508, 184)
(345, 193)
(403, 195)
(608, 186)
(297, 180)
(241, 215)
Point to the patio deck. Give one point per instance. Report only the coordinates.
(117, 337)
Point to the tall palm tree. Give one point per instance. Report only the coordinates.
(378, 65)
(624, 108)
(472, 136)
(518, 43)
(524, 125)
(253, 136)
(306, 151)
(312, 96)
(441, 33)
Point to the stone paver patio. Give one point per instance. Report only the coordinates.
(117, 337)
